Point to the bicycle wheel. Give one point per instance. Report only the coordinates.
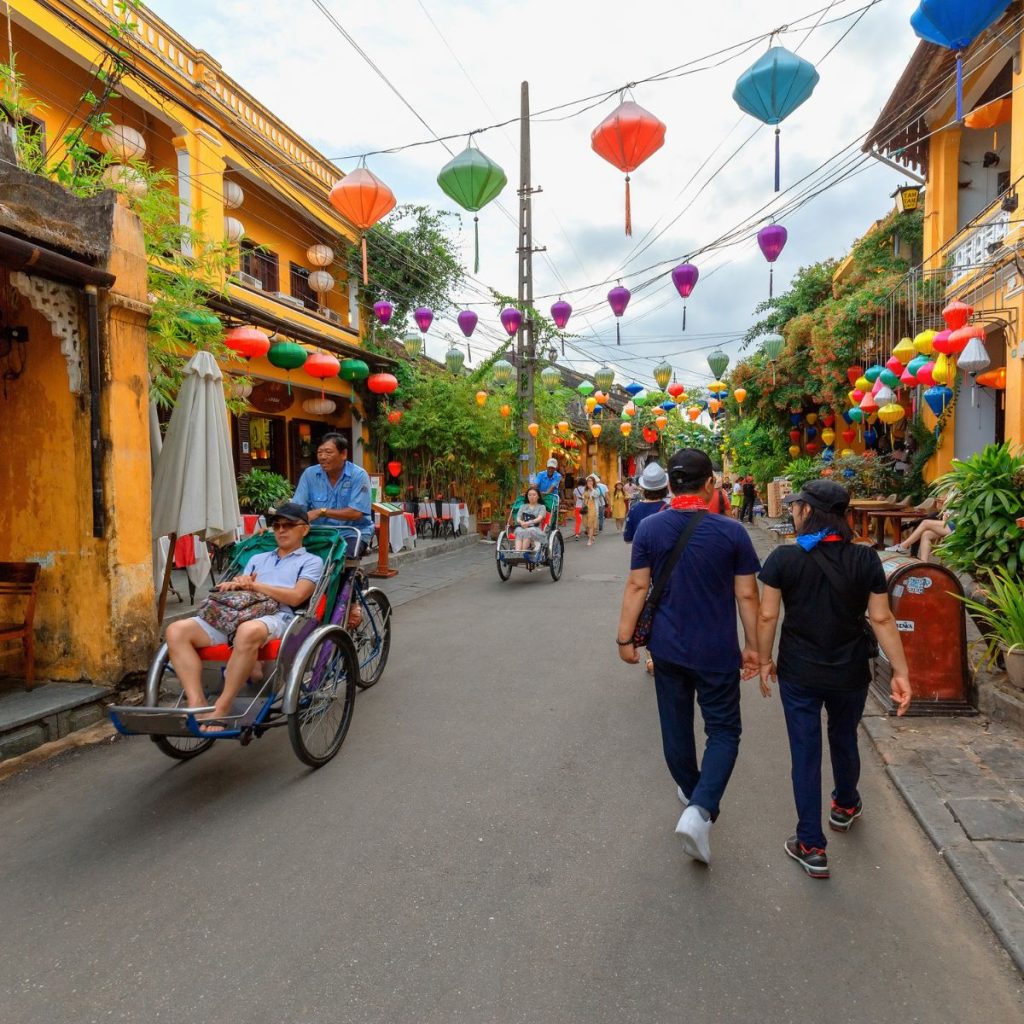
(325, 678)
(556, 552)
(504, 569)
(167, 693)
(372, 636)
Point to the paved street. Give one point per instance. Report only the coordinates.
(493, 844)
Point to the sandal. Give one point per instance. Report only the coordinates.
(650, 666)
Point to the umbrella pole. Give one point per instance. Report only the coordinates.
(162, 604)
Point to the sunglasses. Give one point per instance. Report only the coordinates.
(283, 524)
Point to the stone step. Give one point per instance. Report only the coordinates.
(30, 718)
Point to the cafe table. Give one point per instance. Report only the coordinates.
(897, 517)
(861, 508)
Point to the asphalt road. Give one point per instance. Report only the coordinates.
(494, 843)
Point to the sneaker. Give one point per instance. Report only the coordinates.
(811, 858)
(683, 798)
(695, 833)
(898, 548)
(842, 818)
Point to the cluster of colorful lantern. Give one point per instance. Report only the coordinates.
(812, 432)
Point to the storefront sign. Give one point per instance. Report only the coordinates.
(271, 396)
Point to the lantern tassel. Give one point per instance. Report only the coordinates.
(629, 211)
(366, 278)
(618, 336)
(959, 86)
(771, 282)
(777, 133)
(684, 316)
(476, 245)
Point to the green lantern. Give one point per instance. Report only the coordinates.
(585, 389)
(550, 377)
(287, 356)
(353, 370)
(773, 345)
(454, 359)
(195, 321)
(472, 180)
(663, 374)
(604, 378)
(718, 361)
(392, 490)
(413, 345)
(502, 373)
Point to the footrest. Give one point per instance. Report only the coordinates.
(142, 721)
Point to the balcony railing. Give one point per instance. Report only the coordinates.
(981, 239)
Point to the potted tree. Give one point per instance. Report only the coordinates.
(1002, 615)
(259, 490)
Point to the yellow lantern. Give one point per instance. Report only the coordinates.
(505, 410)
(794, 451)
(481, 397)
(589, 404)
(904, 351)
(941, 369)
(533, 428)
(923, 343)
(891, 413)
(862, 384)
(595, 429)
(846, 453)
(716, 387)
(812, 418)
(661, 422)
(600, 397)
(740, 394)
(625, 429)
(828, 435)
(563, 427)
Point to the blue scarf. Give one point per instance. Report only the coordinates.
(809, 541)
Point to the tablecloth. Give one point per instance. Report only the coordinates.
(401, 530)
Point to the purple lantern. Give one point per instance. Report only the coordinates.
(772, 240)
(618, 299)
(684, 277)
(467, 321)
(424, 317)
(560, 313)
(511, 319)
(382, 311)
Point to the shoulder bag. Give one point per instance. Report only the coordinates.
(642, 629)
(841, 588)
(226, 610)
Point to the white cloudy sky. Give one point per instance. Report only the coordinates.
(302, 68)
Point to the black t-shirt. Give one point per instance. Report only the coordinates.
(822, 643)
(749, 493)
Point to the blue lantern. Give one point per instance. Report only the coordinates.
(812, 433)
(828, 454)
(634, 389)
(795, 419)
(870, 437)
(846, 417)
(773, 87)
(955, 24)
(848, 473)
(668, 405)
(938, 398)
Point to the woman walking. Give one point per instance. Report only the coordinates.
(593, 502)
(619, 505)
(826, 584)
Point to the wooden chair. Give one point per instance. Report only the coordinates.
(21, 580)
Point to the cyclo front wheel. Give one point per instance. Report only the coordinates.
(556, 555)
(320, 696)
(372, 636)
(163, 690)
(504, 569)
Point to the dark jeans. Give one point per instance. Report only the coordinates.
(844, 708)
(718, 694)
(747, 512)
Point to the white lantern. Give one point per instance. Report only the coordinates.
(974, 357)
(320, 281)
(319, 406)
(884, 396)
(241, 388)
(234, 230)
(123, 143)
(125, 179)
(320, 255)
(233, 195)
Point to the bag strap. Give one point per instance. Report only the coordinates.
(829, 572)
(666, 572)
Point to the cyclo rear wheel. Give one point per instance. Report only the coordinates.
(321, 695)
(166, 692)
(372, 636)
(504, 569)
(556, 554)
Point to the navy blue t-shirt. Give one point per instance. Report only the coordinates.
(637, 513)
(695, 621)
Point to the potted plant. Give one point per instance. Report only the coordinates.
(1002, 614)
(259, 490)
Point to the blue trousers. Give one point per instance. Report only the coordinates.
(718, 694)
(802, 705)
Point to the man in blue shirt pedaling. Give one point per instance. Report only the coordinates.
(337, 492)
(550, 480)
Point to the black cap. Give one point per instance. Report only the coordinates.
(689, 467)
(824, 495)
(289, 510)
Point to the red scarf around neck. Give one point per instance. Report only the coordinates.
(688, 502)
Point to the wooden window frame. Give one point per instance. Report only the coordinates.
(259, 262)
(299, 287)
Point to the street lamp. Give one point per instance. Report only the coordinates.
(908, 198)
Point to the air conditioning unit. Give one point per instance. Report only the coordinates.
(330, 314)
(289, 300)
(248, 280)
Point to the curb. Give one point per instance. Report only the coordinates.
(982, 883)
(400, 558)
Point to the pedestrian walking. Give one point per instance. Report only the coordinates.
(721, 501)
(826, 584)
(749, 500)
(605, 502)
(707, 568)
(736, 493)
(593, 502)
(580, 509)
(619, 505)
(653, 495)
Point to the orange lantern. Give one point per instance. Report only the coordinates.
(563, 427)
(382, 383)
(629, 409)
(505, 410)
(693, 412)
(533, 428)
(991, 115)
(600, 397)
(625, 429)
(595, 429)
(740, 394)
(362, 199)
(993, 379)
(661, 422)
(481, 397)
(713, 406)
(395, 416)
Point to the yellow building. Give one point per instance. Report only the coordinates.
(972, 220)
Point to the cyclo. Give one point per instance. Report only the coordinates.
(317, 666)
(551, 554)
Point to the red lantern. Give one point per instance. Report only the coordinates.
(382, 383)
(650, 435)
(958, 339)
(794, 436)
(811, 447)
(849, 435)
(895, 365)
(854, 373)
(829, 419)
(395, 468)
(956, 314)
(321, 365)
(675, 389)
(362, 199)
(626, 138)
(395, 416)
(248, 342)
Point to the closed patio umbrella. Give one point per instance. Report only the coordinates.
(194, 488)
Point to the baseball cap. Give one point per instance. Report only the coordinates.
(689, 466)
(289, 510)
(552, 463)
(653, 477)
(824, 495)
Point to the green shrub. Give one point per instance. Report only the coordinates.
(259, 490)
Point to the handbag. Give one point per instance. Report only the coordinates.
(644, 622)
(838, 585)
(226, 610)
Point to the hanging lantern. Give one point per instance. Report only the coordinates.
(395, 468)
(795, 436)
(993, 379)
(959, 338)
(713, 406)
(585, 388)
(924, 373)
(595, 429)
(794, 451)
(629, 410)
(894, 365)
(395, 417)
(240, 389)
(990, 115)
(811, 447)
(618, 299)
(904, 351)
(234, 229)
(424, 317)
(693, 412)
(604, 378)
(362, 199)
(321, 365)
(505, 411)
(453, 359)
(502, 373)
(382, 310)
(955, 24)
(719, 362)
(773, 87)
(560, 313)
(625, 429)
(382, 383)
(889, 378)
(650, 435)
(233, 199)
(511, 318)
(317, 255)
(320, 282)
(550, 377)
(353, 370)
(124, 144)
(907, 379)
(467, 321)
(600, 397)
(941, 370)
(684, 277)
(633, 389)
(773, 345)
(319, 406)
(924, 342)
(740, 394)
(287, 355)
(812, 418)
(626, 138)
(589, 404)
(848, 435)
(771, 240)
(974, 357)
(248, 342)
(717, 387)
(472, 180)
(956, 315)
(662, 374)
(828, 436)
(481, 398)
(872, 373)
(868, 404)
(413, 345)
(661, 422)
(532, 429)
(891, 412)
(938, 398)
(675, 389)
(668, 406)
(853, 373)
(563, 427)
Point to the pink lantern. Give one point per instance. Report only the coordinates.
(511, 318)
(684, 277)
(467, 320)
(560, 313)
(618, 299)
(424, 317)
(941, 343)
(382, 311)
(772, 240)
